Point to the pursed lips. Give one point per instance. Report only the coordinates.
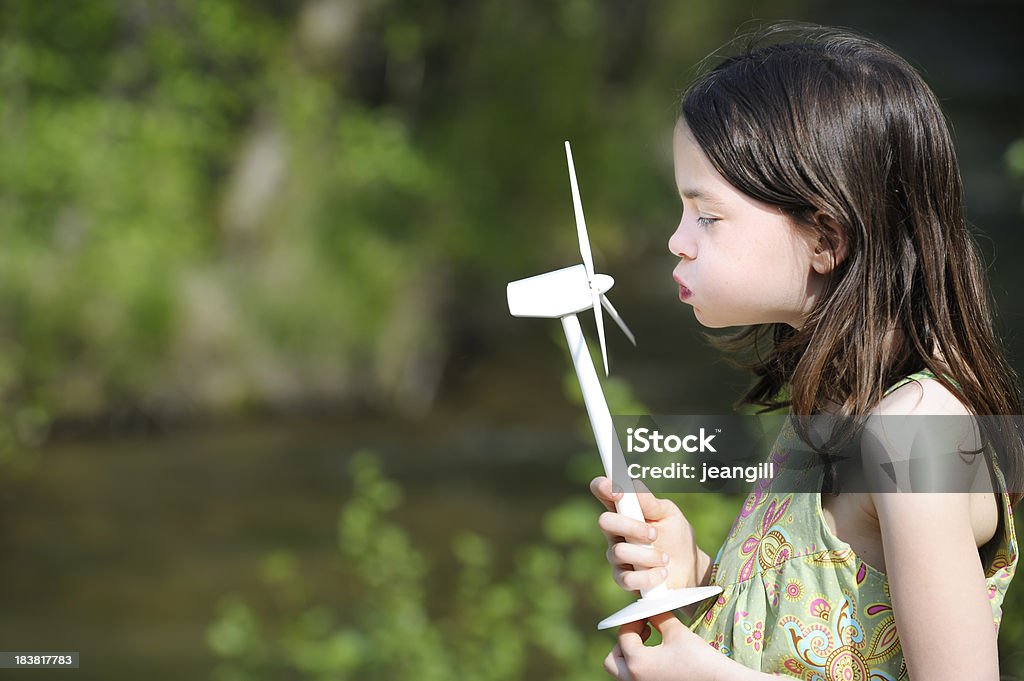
(684, 291)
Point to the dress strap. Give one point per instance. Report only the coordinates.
(916, 376)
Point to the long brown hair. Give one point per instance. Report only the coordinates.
(837, 130)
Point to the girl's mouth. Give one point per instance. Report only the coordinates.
(684, 292)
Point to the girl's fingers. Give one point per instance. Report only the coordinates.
(622, 553)
(638, 580)
(668, 625)
(602, 488)
(615, 665)
(618, 525)
(617, 577)
(608, 493)
(631, 638)
(652, 507)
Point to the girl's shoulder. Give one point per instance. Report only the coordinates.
(920, 394)
(920, 431)
(905, 425)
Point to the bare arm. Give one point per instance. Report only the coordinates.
(936, 579)
(937, 585)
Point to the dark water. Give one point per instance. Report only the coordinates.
(121, 548)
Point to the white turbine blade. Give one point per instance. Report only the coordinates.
(588, 258)
(618, 320)
(581, 225)
(600, 328)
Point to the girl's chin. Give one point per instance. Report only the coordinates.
(704, 320)
(710, 322)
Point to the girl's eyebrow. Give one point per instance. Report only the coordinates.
(701, 195)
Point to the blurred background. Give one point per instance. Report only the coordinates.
(265, 414)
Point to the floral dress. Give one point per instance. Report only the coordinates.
(797, 600)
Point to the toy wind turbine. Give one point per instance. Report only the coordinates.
(564, 293)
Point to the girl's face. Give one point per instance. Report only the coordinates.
(740, 261)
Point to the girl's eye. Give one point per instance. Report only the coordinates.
(706, 222)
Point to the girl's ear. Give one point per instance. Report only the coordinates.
(831, 247)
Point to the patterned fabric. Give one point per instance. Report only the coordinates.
(796, 599)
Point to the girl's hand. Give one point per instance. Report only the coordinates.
(681, 655)
(675, 556)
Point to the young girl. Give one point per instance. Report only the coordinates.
(822, 211)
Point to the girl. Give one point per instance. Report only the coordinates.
(822, 211)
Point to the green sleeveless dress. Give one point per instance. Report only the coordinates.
(796, 600)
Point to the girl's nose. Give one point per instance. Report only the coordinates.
(680, 244)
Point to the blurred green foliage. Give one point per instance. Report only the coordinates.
(1015, 162)
(533, 619)
(207, 206)
(191, 216)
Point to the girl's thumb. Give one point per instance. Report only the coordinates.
(666, 623)
(650, 505)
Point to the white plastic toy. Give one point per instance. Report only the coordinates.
(564, 293)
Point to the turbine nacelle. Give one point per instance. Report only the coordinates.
(556, 294)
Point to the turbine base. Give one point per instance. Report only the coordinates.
(655, 605)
